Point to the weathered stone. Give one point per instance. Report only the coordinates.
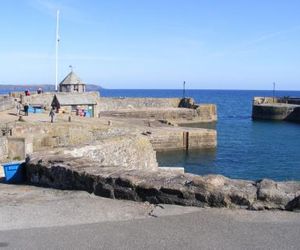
(66, 172)
(270, 191)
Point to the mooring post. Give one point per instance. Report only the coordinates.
(186, 140)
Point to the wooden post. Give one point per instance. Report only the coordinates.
(186, 140)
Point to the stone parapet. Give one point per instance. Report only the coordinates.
(71, 173)
(6, 103)
(109, 104)
(128, 152)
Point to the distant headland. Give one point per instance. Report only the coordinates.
(45, 87)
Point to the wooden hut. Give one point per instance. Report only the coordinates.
(83, 104)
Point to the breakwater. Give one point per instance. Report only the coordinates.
(269, 108)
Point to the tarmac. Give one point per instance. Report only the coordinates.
(41, 218)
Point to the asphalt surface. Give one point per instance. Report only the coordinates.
(36, 218)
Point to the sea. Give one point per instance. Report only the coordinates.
(246, 149)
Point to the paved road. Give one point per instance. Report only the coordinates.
(51, 219)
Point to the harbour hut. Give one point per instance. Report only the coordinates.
(82, 104)
(72, 83)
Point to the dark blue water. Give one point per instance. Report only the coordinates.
(246, 149)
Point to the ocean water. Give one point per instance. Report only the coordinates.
(246, 149)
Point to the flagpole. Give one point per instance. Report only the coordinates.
(56, 50)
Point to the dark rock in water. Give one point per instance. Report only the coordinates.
(66, 172)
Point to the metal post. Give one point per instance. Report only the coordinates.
(183, 94)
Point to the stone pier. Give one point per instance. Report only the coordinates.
(269, 108)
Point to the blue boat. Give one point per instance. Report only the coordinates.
(14, 172)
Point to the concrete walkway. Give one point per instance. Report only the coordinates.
(39, 218)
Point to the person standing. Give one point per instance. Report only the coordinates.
(18, 108)
(26, 107)
(52, 115)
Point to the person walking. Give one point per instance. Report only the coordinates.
(52, 115)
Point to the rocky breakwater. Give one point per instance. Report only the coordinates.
(64, 171)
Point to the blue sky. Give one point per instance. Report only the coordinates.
(210, 44)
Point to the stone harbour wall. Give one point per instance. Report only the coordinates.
(44, 99)
(6, 103)
(287, 112)
(64, 172)
(108, 104)
(3, 148)
(151, 113)
(207, 112)
(19, 147)
(58, 135)
(156, 108)
(183, 138)
(130, 152)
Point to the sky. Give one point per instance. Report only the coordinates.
(153, 44)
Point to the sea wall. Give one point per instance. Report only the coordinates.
(109, 104)
(157, 108)
(287, 112)
(183, 138)
(207, 112)
(73, 134)
(14, 148)
(203, 113)
(6, 103)
(56, 135)
(65, 172)
(19, 147)
(44, 99)
(128, 152)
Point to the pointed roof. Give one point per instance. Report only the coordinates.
(75, 98)
(72, 79)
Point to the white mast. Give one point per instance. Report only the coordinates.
(56, 52)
